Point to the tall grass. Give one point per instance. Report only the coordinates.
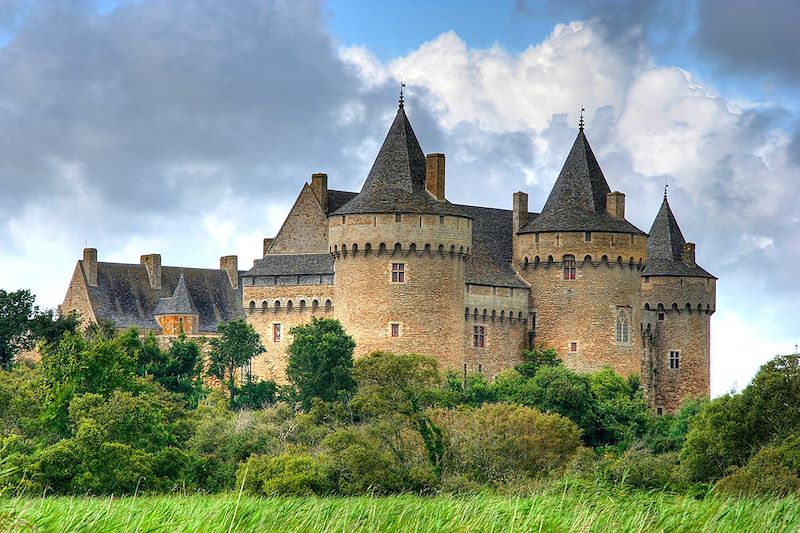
(571, 508)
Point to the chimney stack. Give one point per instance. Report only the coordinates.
(434, 175)
(615, 205)
(267, 244)
(90, 266)
(153, 264)
(520, 211)
(230, 264)
(688, 253)
(319, 184)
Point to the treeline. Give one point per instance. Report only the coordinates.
(114, 413)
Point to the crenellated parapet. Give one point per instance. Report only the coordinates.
(586, 248)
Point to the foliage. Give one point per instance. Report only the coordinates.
(178, 369)
(639, 467)
(498, 440)
(535, 359)
(255, 394)
(288, 474)
(774, 470)
(320, 361)
(15, 310)
(236, 346)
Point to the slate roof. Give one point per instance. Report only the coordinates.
(124, 296)
(179, 304)
(337, 199)
(577, 201)
(665, 248)
(396, 182)
(492, 247)
(292, 265)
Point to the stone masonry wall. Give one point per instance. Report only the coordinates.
(172, 324)
(504, 341)
(77, 298)
(305, 230)
(585, 310)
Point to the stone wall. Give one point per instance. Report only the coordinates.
(578, 317)
(77, 298)
(173, 324)
(305, 230)
(504, 340)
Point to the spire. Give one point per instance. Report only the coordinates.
(179, 304)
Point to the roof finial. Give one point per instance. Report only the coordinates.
(580, 122)
(401, 94)
(666, 186)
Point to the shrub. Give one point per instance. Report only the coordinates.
(290, 474)
(639, 467)
(360, 464)
(498, 440)
(774, 470)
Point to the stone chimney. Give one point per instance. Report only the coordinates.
(319, 184)
(434, 175)
(267, 244)
(230, 264)
(520, 211)
(153, 264)
(90, 266)
(615, 205)
(688, 253)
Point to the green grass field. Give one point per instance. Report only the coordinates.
(571, 509)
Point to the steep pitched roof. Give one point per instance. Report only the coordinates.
(396, 182)
(577, 201)
(124, 295)
(665, 248)
(179, 304)
(292, 265)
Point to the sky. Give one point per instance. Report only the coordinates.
(188, 128)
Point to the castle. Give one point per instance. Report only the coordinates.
(405, 270)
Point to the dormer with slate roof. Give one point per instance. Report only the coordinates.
(177, 313)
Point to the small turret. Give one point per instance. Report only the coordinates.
(178, 313)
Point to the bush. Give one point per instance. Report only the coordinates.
(360, 464)
(774, 470)
(498, 440)
(290, 474)
(640, 468)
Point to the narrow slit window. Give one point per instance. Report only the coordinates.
(623, 327)
(587, 236)
(277, 331)
(397, 217)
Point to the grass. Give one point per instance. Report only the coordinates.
(568, 509)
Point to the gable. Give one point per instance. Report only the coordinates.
(305, 230)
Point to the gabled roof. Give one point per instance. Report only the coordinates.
(396, 182)
(665, 248)
(124, 295)
(179, 304)
(577, 201)
(292, 265)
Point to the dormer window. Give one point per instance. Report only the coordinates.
(569, 267)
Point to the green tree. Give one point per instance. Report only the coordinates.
(16, 308)
(537, 358)
(178, 369)
(236, 346)
(321, 361)
(49, 327)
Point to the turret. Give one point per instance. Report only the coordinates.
(400, 249)
(177, 313)
(678, 299)
(583, 260)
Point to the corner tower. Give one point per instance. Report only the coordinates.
(399, 251)
(583, 261)
(678, 299)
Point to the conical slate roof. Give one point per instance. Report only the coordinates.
(179, 304)
(577, 201)
(665, 248)
(396, 183)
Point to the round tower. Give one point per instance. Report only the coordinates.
(399, 253)
(678, 299)
(583, 261)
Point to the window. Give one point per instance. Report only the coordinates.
(397, 217)
(395, 329)
(623, 331)
(587, 236)
(343, 219)
(661, 315)
(659, 411)
(573, 347)
(276, 332)
(478, 336)
(674, 360)
(569, 267)
(536, 237)
(441, 219)
(480, 369)
(398, 273)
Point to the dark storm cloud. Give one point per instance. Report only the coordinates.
(747, 36)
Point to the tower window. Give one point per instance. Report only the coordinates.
(569, 267)
(397, 217)
(659, 411)
(398, 273)
(277, 330)
(623, 330)
(674, 360)
(536, 238)
(441, 219)
(661, 315)
(480, 369)
(587, 236)
(478, 336)
(573, 347)
(395, 329)
(343, 219)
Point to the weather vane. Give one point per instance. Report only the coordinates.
(401, 93)
(580, 122)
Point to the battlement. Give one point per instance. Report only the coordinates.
(598, 248)
(679, 294)
(290, 305)
(350, 235)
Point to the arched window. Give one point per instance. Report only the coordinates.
(569, 267)
(328, 305)
(264, 306)
(623, 334)
(252, 306)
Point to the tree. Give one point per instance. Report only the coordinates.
(536, 358)
(177, 369)
(234, 348)
(321, 361)
(15, 310)
(49, 327)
